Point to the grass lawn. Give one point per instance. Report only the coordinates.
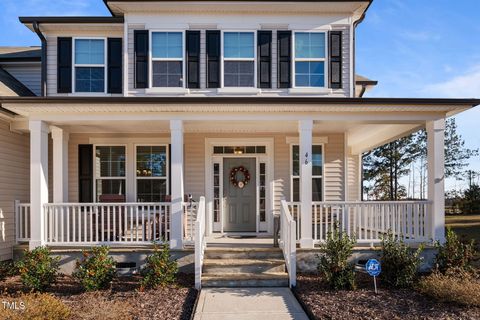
(467, 228)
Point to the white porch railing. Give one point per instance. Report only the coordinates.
(106, 223)
(369, 221)
(288, 243)
(22, 221)
(200, 242)
(189, 218)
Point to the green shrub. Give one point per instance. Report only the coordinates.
(454, 254)
(35, 306)
(399, 262)
(7, 269)
(334, 265)
(160, 269)
(96, 270)
(459, 287)
(38, 269)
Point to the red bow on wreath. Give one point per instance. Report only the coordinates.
(233, 177)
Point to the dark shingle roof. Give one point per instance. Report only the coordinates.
(20, 53)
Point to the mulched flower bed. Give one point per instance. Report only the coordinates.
(123, 301)
(362, 303)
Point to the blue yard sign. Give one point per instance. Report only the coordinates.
(374, 269)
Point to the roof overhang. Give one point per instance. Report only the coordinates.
(26, 106)
(49, 24)
(354, 7)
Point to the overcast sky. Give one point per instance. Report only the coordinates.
(414, 48)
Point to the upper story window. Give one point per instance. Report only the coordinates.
(167, 59)
(89, 69)
(239, 59)
(309, 59)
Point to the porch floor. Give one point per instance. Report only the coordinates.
(234, 241)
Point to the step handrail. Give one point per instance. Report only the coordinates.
(288, 242)
(200, 242)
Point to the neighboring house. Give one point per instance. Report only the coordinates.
(252, 107)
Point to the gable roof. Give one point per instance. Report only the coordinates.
(10, 86)
(20, 53)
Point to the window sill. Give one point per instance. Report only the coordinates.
(90, 94)
(242, 91)
(176, 91)
(322, 91)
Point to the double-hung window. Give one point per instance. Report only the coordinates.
(239, 59)
(152, 176)
(167, 59)
(310, 52)
(110, 175)
(317, 173)
(89, 61)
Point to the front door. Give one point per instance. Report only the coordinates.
(239, 202)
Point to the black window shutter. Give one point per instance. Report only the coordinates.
(64, 65)
(284, 39)
(115, 65)
(264, 47)
(193, 59)
(335, 58)
(213, 58)
(141, 58)
(85, 173)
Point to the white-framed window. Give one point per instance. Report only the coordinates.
(167, 66)
(309, 67)
(239, 54)
(89, 61)
(110, 173)
(317, 172)
(151, 165)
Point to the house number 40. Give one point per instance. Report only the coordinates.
(306, 158)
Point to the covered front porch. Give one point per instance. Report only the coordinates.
(307, 170)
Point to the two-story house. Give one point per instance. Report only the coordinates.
(250, 107)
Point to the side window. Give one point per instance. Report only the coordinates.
(317, 173)
(89, 64)
(309, 59)
(239, 59)
(167, 59)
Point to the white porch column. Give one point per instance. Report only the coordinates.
(176, 228)
(436, 176)
(60, 164)
(38, 180)
(305, 129)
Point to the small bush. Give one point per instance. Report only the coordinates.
(334, 264)
(96, 270)
(454, 254)
(399, 262)
(38, 269)
(461, 288)
(7, 269)
(35, 306)
(160, 269)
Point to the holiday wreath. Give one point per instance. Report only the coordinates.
(237, 182)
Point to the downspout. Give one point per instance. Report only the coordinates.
(36, 28)
(355, 24)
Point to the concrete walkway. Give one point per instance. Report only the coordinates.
(248, 304)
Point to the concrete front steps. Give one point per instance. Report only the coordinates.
(244, 267)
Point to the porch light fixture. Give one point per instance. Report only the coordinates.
(238, 150)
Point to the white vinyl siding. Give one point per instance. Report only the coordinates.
(14, 183)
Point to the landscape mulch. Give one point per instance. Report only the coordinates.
(124, 300)
(363, 303)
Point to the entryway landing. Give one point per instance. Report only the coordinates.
(239, 241)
